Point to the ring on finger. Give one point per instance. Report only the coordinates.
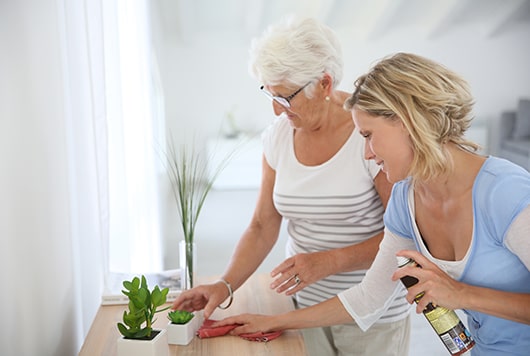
(297, 279)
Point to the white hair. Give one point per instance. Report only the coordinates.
(296, 51)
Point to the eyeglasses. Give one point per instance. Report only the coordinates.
(285, 102)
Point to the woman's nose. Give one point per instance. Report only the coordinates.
(278, 108)
(368, 153)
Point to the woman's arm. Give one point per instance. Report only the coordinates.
(511, 306)
(518, 237)
(329, 312)
(505, 305)
(312, 267)
(364, 303)
(259, 237)
(441, 289)
(254, 245)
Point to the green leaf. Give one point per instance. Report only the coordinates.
(165, 291)
(136, 282)
(143, 295)
(137, 304)
(128, 285)
(123, 330)
(158, 297)
(161, 310)
(143, 333)
(144, 283)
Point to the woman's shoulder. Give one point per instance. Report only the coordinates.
(500, 167)
(397, 214)
(501, 192)
(400, 190)
(275, 140)
(501, 174)
(279, 126)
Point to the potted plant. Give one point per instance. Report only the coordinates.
(139, 338)
(191, 180)
(182, 327)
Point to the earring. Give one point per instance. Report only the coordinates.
(327, 98)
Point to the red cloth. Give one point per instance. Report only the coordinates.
(206, 330)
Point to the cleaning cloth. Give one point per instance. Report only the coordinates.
(206, 330)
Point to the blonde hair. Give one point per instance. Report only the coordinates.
(434, 104)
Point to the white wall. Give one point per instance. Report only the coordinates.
(205, 78)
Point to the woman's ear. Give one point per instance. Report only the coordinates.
(326, 83)
(403, 128)
(399, 124)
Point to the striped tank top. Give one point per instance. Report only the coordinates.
(328, 206)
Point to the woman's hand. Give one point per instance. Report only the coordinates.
(299, 271)
(248, 323)
(437, 286)
(207, 297)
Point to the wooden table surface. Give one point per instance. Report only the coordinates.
(254, 296)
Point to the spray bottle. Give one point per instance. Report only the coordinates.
(445, 322)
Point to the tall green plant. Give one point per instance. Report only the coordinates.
(191, 181)
(143, 305)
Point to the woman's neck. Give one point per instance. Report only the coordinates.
(458, 180)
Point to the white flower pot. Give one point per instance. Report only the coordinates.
(182, 334)
(155, 347)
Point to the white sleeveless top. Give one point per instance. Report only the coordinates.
(328, 206)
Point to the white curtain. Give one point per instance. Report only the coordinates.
(55, 211)
(134, 137)
(53, 203)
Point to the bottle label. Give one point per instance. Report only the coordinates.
(445, 322)
(457, 340)
(442, 319)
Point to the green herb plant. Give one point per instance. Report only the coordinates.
(180, 316)
(143, 305)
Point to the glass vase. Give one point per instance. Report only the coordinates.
(188, 264)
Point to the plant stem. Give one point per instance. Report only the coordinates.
(189, 262)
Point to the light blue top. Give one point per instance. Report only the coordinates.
(500, 192)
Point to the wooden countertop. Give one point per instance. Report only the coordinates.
(254, 296)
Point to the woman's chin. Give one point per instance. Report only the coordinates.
(389, 177)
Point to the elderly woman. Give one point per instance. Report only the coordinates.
(315, 176)
(463, 217)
